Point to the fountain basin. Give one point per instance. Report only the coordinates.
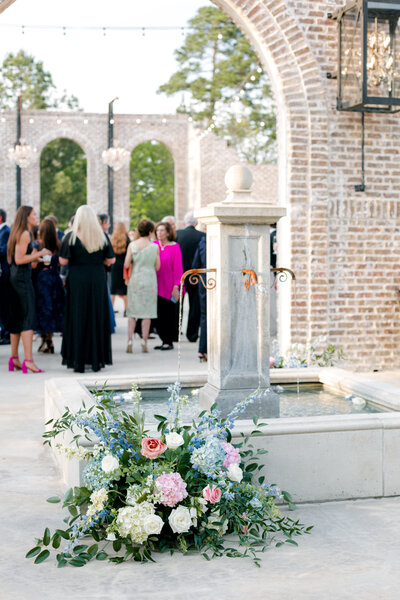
(315, 458)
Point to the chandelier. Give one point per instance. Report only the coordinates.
(22, 155)
(115, 157)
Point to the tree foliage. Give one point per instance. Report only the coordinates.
(151, 182)
(221, 77)
(62, 180)
(21, 73)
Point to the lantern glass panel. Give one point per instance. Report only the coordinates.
(383, 46)
(351, 57)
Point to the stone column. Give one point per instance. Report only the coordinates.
(238, 318)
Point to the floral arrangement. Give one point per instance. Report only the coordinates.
(185, 489)
(318, 353)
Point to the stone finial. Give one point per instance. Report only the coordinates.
(238, 180)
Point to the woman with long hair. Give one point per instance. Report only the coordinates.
(50, 295)
(87, 334)
(120, 242)
(21, 255)
(142, 287)
(168, 279)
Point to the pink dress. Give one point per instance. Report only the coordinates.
(170, 271)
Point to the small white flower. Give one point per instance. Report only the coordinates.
(153, 524)
(204, 504)
(180, 519)
(174, 440)
(111, 537)
(235, 473)
(193, 514)
(109, 463)
(91, 510)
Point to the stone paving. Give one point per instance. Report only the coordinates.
(352, 552)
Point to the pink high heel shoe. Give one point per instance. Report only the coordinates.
(12, 365)
(25, 367)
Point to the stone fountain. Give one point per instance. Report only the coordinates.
(238, 239)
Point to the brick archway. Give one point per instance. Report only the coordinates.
(287, 57)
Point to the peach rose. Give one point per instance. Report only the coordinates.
(212, 495)
(151, 447)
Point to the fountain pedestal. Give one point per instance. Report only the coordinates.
(238, 237)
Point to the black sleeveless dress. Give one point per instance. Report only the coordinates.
(22, 296)
(87, 332)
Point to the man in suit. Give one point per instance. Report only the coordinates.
(4, 274)
(189, 239)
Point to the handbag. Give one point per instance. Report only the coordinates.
(127, 274)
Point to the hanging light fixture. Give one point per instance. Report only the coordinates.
(115, 157)
(21, 155)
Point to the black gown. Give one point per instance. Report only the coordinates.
(22, 296)
(87, 333)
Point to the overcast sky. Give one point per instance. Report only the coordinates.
(96, 67)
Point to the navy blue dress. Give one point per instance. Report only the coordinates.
(50, 297)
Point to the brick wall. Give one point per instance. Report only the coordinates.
(209, 158)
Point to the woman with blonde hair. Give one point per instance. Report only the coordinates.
(120, 242)
(21, 255)
(87, 335)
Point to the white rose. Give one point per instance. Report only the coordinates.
(180, 519)
(235, 473)
(173, 440)
(109, 463)
(153, 524)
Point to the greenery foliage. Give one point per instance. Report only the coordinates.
(151, 182)
(62, 180)
(221, 78)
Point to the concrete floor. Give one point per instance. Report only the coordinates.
(353, 551)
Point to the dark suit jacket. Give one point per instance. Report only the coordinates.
(188, 239)
(4, 266)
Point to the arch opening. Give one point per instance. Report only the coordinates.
(152, 182)
(63, 179)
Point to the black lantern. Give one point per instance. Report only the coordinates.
(369, 56)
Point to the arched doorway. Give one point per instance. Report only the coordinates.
(63, 179)
(152, 182)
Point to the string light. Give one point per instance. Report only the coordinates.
(102, 29)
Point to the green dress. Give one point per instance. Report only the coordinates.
(142, 286)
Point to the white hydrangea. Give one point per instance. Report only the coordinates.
(130, 521)
(99, 498)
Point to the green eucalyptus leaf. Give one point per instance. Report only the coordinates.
(42, 556)
(33, 552)
(53, 499)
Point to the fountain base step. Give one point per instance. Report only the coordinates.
(267, 407)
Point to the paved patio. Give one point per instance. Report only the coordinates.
(352, 552)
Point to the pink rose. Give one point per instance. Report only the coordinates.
(151, 447)
(232, 455)
(212, 495)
